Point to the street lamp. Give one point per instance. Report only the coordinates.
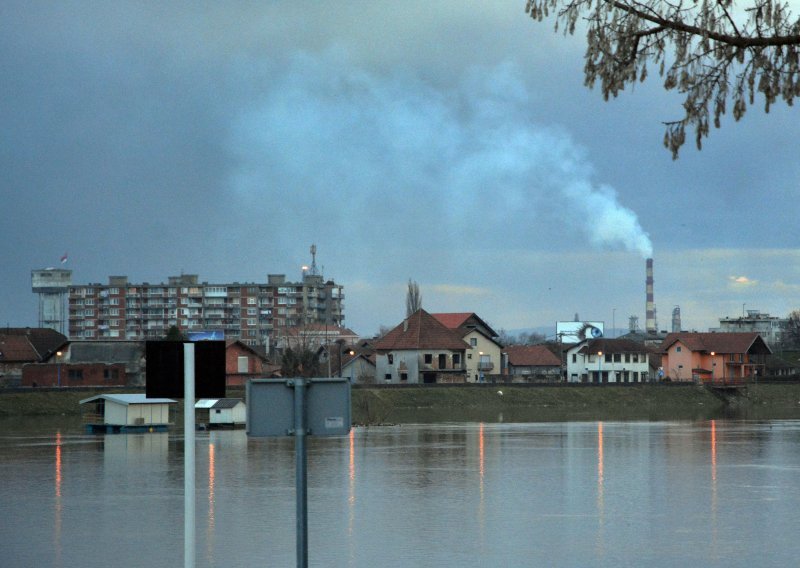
(58, 366)
(713, 365)
(599, 366)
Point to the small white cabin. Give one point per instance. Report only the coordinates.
(127, 413)
(220, 412)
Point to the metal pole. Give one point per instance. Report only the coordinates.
(301, 482)
(188, 456)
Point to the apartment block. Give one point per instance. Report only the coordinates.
(250, 312)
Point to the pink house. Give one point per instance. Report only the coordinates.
(714, 357)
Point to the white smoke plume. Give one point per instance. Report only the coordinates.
(371, 154)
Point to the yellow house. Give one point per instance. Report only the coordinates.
(484, 353)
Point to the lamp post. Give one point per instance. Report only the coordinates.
(480, 371)
(599, 367)
(713, 366)
(58, 367)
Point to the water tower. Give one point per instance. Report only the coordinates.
(52, 286)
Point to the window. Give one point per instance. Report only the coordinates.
(388, 376)
(428, 358)
(473, 341)
(242, 365)
(404, 377)
(635, 357)
(627, 357)
(390, 358)
(617, 357)
(678, 349)
(608, 358)
(251, 301)
(75, 374)
(574, 357)
(456, 359)
(111, 374)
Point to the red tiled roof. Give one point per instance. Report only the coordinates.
(43, 339)
(452, 321)
(531, 356)
(17, 349)
(734, 342)
(421, 331)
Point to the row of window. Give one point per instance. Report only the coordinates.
(614, 358)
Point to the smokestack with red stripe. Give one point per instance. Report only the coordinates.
(650, 324)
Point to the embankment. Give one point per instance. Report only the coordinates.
(491, 403)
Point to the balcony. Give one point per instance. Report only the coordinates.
(485, 366)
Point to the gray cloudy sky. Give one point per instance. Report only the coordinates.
(452, 143)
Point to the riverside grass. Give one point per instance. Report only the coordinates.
(497, 402)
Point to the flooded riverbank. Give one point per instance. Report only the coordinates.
(499, 403)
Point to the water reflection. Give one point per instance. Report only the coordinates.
(455, 495)
(58, 504)
(600, 491)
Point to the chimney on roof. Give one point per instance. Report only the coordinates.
(405, 325)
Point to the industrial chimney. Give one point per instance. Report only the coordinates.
(676, 320)
(650, 307)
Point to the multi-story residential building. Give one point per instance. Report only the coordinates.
(772, 329)
(249, 312)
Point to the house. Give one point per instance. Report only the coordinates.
(243, 362)
(484, 356)
(312, 336)
(714, 357)
(220, 413)
(22, 346)
(112, 413)
(608, 361)
(359, 367)
(90, 363)
(528, 363)
(421, 350)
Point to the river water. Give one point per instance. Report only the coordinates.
(695, 493)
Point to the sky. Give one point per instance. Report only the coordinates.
(450, 143)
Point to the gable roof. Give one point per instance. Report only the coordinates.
(128, 399)
(612, 346)
(17, 349)
(734, 342)
(531, 356)
(217, 403)
(467, 321)
(421, 330)
(43, 339)
(256, 350)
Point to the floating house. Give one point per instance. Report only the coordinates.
(220, 413)
(113, 413)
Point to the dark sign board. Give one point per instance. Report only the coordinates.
(165, 369)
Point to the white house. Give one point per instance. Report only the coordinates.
(484, 356)
(127, 413)
(420, 350)
(221, 412)
(608, 361)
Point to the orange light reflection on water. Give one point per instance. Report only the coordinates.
(58, 504)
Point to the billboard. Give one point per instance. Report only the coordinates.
(577, 331)
(207, 335)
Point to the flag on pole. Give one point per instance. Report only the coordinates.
(64, 258)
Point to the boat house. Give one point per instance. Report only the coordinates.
(113, 413)
(220, 413)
